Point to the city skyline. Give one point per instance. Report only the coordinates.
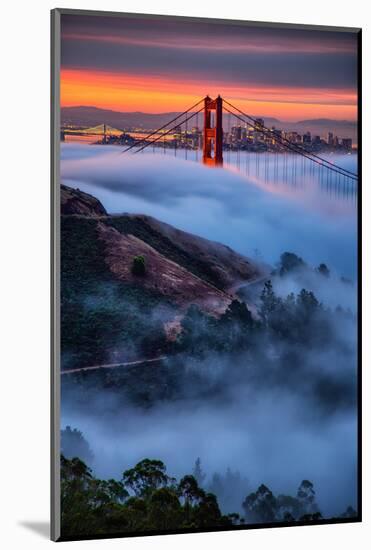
(144, 64)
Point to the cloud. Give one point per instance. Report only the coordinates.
(223, 51)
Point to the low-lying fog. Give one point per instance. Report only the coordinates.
(271, 438)
(276, 435)
(232, 207)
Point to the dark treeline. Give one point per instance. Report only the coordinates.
(289, 338)
(297, 319)
(146, 498)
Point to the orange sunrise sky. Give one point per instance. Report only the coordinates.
(153, 67)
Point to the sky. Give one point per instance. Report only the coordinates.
(157, 65)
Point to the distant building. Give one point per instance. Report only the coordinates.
(277, 132)
(293, 137)
(259, 123)
(236, 133)
(330, 139)
(347, 143)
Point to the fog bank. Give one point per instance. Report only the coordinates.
(220, 204)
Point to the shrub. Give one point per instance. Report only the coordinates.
(138, 266)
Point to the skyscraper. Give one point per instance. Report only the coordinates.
(347, 143)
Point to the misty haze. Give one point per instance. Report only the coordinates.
(274, 423)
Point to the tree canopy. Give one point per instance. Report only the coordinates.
(146, 498)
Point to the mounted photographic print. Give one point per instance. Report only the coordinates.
(206, 275)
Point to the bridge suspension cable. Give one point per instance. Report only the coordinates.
(163, 127)
(167, 132)
(293, 147)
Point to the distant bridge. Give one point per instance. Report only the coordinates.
(101, 130)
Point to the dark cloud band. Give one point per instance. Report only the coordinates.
(251, 55)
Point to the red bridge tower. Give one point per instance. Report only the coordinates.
(213, 136)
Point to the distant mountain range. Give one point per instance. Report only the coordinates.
(92, 116)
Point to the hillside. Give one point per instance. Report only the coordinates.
(85, 116)
(74, 201)
(204, 261)
(163, 275)
(110, 313)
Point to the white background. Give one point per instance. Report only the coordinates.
(24, 271)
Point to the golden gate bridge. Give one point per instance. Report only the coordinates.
(212, 140)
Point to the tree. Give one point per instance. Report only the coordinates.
(138, 267)
(92, 506)
(75, 469)
(146, 476)
(189, 489)
(261, 506)
(73, 444)
(164, 509)
(233, 328)
(306, 495)
(289, 508)
(75, 496)
(86, 502)
(209, 514)
(236, 519)
(197, 332)
(217, 484)
(238, 312)
(154, 339)
(269, 302)
(307, 301)
(230, 488)
(198, 474)
(290, 262)
(349, 513)
(322, 269)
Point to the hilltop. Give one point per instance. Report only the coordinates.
(107, 309)
(74, 201)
